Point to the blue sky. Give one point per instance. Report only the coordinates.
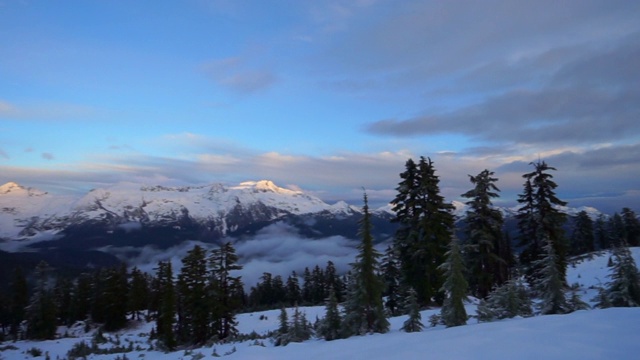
(325, 96)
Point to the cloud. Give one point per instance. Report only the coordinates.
(47, 156)
(3, 154)
(235, 74)
(45, 111)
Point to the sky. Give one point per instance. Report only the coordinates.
(324, 96)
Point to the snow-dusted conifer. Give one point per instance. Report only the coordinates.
(414, 322)
(455, 287)
(330, 326)
(507, 301)
(624, 288)
(550, 283)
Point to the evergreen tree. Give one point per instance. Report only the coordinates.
(225, 287)
(631, 226)
(166, 310)
(602, 236)
(582, 238)
(455, 287)
(115, 298)
(426, 225)
(540, 221)
(194, 305)
(41, 312)
(624, 288)
(19, 301)
(82, 296)
(507, 301)
(367, 295)
(484, 232)
(550, 283)
(414, 322)
(62, 292)
(294, 294)
(138, 293)
(391, 276)
(282, 337)
(299, 329)
(616, 230)
(330, 326)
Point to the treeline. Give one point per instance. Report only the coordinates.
(426, 265)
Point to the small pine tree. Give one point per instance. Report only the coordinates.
(455, 287)
(507, 301)
(329, 327)
(282, 337)
(624, 288)
(550, 283)
(414, 322)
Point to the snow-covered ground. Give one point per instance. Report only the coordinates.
(594, 334)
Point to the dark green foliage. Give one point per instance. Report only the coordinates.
(455, 287)
(426, 225)
(293, 291)
(138, 293)
(62, 293)
(19, 301)
(82, 297)
(539, 220)
(41, 312)
(483, 227)
(414, 322)
(582, 238)
(365, 311)
(507, 301)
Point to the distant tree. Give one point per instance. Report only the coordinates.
(507, 301)
(62, 293)
(483, 226)
(550, 283)
(616, 230)
(115, 290)
(624, 288)
(138, 293)
(365, 298)
(582, 238)
(294, 293)
(426, 225)
(414, 322)
(82, 297)
(539, 220)
(41, 312)
(601, 234)
(455, 287)
(631, 227)
(19, 301)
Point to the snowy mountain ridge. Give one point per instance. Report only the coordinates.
(25, 212)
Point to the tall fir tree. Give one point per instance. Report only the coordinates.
(166, 311)
(539, 220)
(138, 293)
(365, 298)
(483, 227)
(455, 287)
(225, 287)
(194, 305)
(426, 225)
(507, 301)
